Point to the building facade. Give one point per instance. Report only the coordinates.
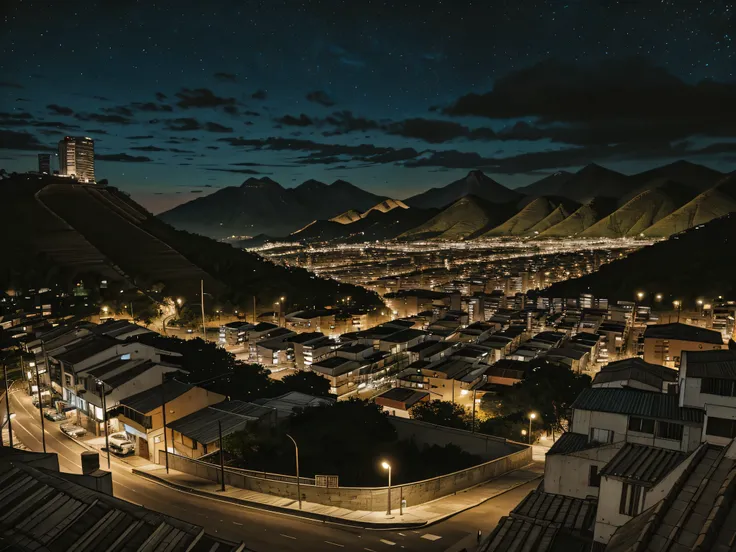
(77, 158)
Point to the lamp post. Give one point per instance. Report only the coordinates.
(532, 416)
(298, 481)
(40, 403)
(7, 408)
(101, 386)
(700, 306)
(677, 304)
(387, 466)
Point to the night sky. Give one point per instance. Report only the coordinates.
(183, 97)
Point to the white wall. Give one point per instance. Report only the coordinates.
(567, 474)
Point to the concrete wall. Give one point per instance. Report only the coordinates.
(360, 498)
(568, 474)
(487, 447)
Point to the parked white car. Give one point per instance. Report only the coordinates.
(120, 444)
(73, 430)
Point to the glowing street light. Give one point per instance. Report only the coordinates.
(658, 297)
(386, 466)
(640, 295)
(532, 416)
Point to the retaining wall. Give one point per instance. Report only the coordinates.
(359, 498)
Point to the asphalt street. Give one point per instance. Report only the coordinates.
(261, 531)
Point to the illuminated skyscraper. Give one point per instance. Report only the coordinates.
(44, 163)
(77, 158)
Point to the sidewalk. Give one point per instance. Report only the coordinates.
(413, 516)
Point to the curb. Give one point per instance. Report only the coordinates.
(280, 509)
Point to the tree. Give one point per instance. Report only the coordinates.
(512, 427)
(307, 382)
(443, 413)
(548, 390)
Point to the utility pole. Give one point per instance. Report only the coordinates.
(163, 413)
(201, 296)
(7, 407)
(222, 458)
(472, 427)
(254, 310)
(38, 389)
(104, 420)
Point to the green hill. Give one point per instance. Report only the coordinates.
(715, 202)
(560, 213)
(523, 221)
(642, 211)
(467, 218)
(584, 217)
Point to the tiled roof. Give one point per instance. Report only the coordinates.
(643, 464)
(42, 510)
(711, 364)
(574, 514)
(683, 332)
(647, 404)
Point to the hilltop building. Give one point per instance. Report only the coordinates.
(77, 158)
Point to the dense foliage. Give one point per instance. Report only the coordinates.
(442, 413)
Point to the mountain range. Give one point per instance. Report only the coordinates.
(592, 202)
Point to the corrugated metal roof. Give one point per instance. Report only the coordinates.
(43, 510)
(683, 332)
(635, 369)
(149, 400)
(569, 442)
(202, 426)
(643, 464)
(574, 514)
(647, 404)
(711, 364)
(86, 348)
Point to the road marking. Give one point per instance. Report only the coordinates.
(335, 544)
(236, 523)
(369, 549)
(402, 534)
(431, 537)
(287, 536)
(390, 543)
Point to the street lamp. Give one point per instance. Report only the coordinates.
(179, 301)
(298, 481)
(532, 416)
(386, 466)
(658, 297)
(677, 304)
(101, 386)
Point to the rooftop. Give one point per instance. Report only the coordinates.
(87, 348)
(711, 364)
(264, 327)
(570, 442)
(647, 404)
(683, 332)
(404, 336)
(635, 369)
(408, 397)
(643, 464)
(566, 352)
(149, 400)
(203, 425)
(306, 337)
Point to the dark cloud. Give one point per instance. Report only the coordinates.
(231, 109)
(252, 113)
(215, 127)
(201, 98)
(160, 96)
(119, 110)
(59, 110)
(150, 106)
(226, 77)
(22, 141)
(300, 121)
(212, 148)
(344, 121)
(182, 124)
(320, 97)
(177, 150)
(93, 131)
(259, 95)
(104, 118)
(146, 137)
(8, 84)
(236, 171)
(611, 102)
(436, 131)
(148, 148)
(325, 154)
(122, 158)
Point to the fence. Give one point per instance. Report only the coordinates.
(358, 498)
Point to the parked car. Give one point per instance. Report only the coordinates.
(53, 415)
(73, 430)
(120, 444)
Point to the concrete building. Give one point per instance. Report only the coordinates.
(141, 416)
(665, 343)
(235, 333)
(293, 402)
(309, 348)
(77, 158)
(341, 372)
(398, 401)
(44, 163)
(634, 373)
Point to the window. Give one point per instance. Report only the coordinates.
(717, 386)
(641, 425)
(631, 500)
(604, 436)
(668, 430)
(594, 478)
(721, 427)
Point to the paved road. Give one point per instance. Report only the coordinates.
(261, 531)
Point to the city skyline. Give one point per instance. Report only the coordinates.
(182, 101)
